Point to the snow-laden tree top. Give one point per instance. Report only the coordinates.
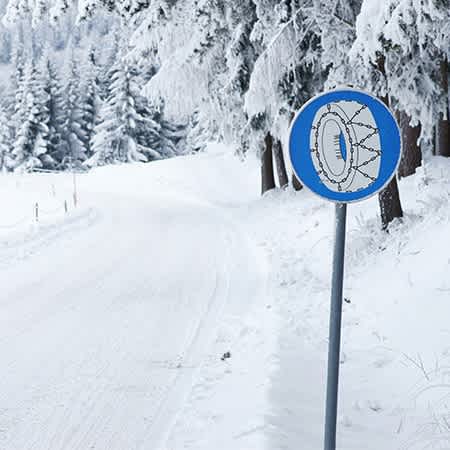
(247, 66)
(53, 9)
(412, 37)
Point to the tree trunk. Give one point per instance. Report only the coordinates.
(296, 183)
(389, 197)
(390, 207)
(279, 162)
(443, 127)
(433, 141)
(267, 178)
(411, 154)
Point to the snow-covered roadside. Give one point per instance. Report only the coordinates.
(36, 209)
(396, 345)
(37, 198)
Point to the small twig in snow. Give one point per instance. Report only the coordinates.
(419, 364)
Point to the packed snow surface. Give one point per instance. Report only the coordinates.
(176, 309)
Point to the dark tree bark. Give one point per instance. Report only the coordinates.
(280, 164)
(433, 142)
(390, 206)
(296, 183)
(389, 197)
(267, 178)
(443, 127)
(411, 152)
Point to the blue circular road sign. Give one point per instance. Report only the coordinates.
(344, 145)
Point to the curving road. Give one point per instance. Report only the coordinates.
(105, 319)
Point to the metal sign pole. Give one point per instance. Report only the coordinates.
(328, 158)
(335, 328)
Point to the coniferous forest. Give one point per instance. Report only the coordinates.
(99, 82)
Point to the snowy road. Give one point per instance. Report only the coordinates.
(105, 321)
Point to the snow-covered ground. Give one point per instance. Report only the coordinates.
(396, 343)
(116, 315)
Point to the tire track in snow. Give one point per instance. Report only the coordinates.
(80, 356)
(171, 406)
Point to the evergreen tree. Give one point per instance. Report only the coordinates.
(90, 101)
(115, 136)
(39, 9)
(395, 55)
(103, 66)
(5, 139)
(5, 46)
(204, 56)
(31, 139)
(412, 36)
(160, 138)
(286, 74)
(129, 127)
(16, 100)
(336, 20)
(55, 107)
(74, 132)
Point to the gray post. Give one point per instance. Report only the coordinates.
(334, 344)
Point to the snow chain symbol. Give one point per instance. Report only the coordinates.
(345, 146)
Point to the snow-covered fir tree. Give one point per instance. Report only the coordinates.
(74, 129)
(5, 46)
(114, 137)
(16, 97)
(412, 37)
(126, 131)
(55, 107)
(288, 69)
(90, 99)
(5, 138)
(31, 139)
(336, 20)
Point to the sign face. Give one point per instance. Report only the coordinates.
(344, 145)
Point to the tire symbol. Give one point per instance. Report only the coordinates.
(345, 146)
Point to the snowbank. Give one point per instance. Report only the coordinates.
(396, 353)
(30, 200)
